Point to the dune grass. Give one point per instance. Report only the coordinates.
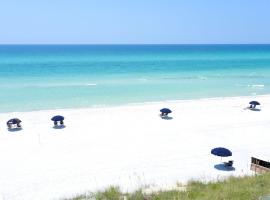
(233, 188)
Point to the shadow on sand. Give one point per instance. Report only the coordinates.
(166, 117)
(255, 109)
(59, 126)
(222, 167)
(15, 129)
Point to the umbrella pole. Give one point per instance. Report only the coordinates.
(39, 141)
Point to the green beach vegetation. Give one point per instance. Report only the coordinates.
(233, 188)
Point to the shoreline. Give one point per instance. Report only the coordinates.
(129, 146)
(108, 106)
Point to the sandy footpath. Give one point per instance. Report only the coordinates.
(129, 146)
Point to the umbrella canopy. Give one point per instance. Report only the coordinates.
(14, 121)
(57, 118)
(165, 110)
(220, 151)
(255, 103)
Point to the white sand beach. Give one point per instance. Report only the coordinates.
(128, 146)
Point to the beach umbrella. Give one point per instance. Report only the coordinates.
(165, 110)
(221, 151)
(14, 121)
(255, 103)
(57, 118)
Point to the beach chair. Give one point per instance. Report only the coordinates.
(228, 164)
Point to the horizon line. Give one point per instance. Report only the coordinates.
(2, 44)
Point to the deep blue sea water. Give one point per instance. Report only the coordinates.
(35, 77)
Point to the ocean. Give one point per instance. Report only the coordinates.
(38, 77)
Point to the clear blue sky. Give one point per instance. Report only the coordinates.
(134, 21)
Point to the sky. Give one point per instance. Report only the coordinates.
(134, 21)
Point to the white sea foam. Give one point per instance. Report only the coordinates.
(91, 84)
(186, 78)
(256, 85)
(250, 85)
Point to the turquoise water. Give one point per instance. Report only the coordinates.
(35, 77)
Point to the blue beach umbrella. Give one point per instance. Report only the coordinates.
(254, 103)
(57, 118)
(165, 110)
(13, 121)
(221, 151)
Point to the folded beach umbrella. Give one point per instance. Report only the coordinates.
(255, 103)
(14, 121)
(57, 118)
(165, 110)
(221, 151)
